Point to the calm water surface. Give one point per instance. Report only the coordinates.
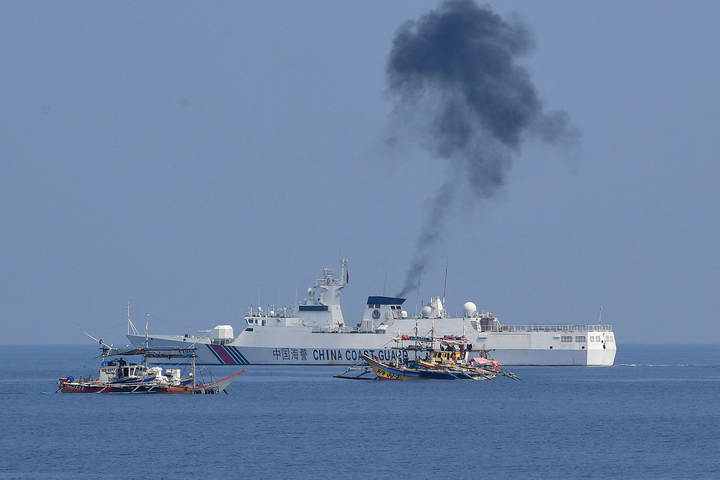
(653, 415)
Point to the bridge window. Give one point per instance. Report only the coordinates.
(580, 339)
(566, 338)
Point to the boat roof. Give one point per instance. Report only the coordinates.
(154, 352)
(380, 300)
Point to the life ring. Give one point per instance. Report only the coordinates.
(376, 314)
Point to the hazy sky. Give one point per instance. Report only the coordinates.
(194, 158)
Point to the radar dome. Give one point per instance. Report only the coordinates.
(470, 309)
(426, 311)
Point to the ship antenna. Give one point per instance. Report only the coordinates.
(344, 278)
(600, 320)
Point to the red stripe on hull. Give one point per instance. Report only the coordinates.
(223, 354)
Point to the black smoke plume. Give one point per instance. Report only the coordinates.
(456, 85)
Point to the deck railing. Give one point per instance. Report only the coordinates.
(546, 328)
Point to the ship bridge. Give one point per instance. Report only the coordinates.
(381, 312)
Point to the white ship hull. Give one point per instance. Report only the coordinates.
(316, 334)
(300, 346)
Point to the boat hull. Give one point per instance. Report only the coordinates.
(65, 386)
(388, 372)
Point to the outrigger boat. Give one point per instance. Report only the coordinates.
(387, 371)
(452, 361)
(119, 376)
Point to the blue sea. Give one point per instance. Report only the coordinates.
(655, 414)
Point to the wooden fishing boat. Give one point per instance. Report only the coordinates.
(464, 359)
(119, 376)
(415, 371)
(415, 357)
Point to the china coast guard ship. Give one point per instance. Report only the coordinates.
(316, 334)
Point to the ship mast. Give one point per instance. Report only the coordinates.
(147, 341)
(343, 264)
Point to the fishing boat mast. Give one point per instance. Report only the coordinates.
(192, 369)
